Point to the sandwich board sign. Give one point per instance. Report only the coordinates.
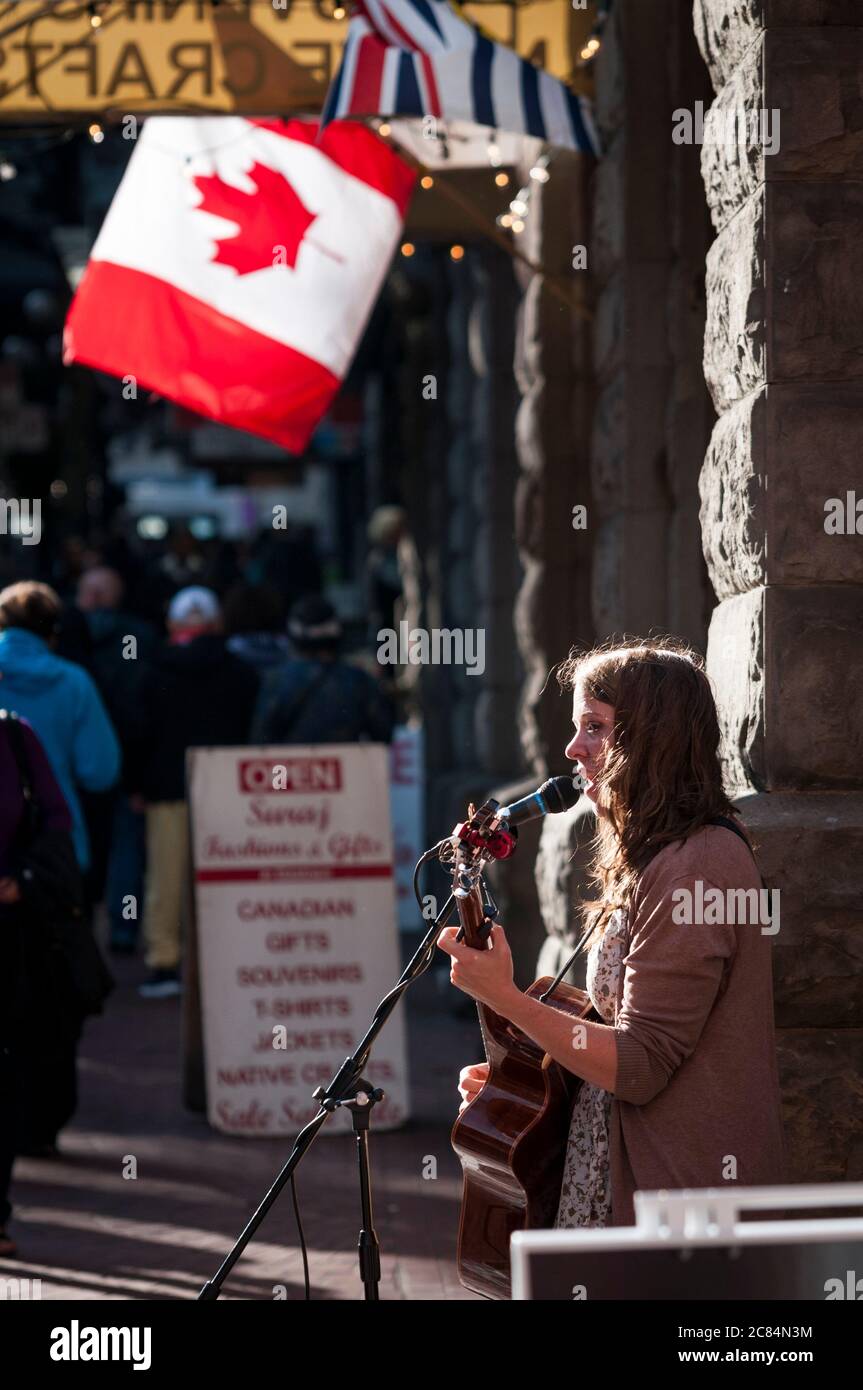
(296, 929)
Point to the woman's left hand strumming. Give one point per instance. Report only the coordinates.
(485, 975)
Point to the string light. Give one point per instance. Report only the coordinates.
(501, 180)
(456, 253)
(7, 170)
(95, 17)
(519, 208)
(339, 12)
(407, 248)
(593, 43)
(384, 129)
(427, 181)
(494, 154)
(96, 133)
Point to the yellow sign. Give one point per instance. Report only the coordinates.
(276, 56)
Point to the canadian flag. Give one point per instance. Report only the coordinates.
(238, 264)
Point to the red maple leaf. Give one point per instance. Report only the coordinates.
(272, 218)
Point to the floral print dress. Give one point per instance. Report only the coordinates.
(585, 1195)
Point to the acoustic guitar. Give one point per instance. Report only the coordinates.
(511, 1138)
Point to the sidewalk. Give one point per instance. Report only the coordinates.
(89, 1233)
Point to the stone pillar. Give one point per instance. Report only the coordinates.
(552, 432)
(649, 234)
(492, 471)
(649, 237)
(422, 444)
(552, 367)
(784, 362)
(630, 260)
(479, 568)
(458, 480)
(438, 493)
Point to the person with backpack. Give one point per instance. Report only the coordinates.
(60, 701)
(315, 697)
(51, 973)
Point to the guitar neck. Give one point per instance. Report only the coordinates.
(473, 924)
(471, 916)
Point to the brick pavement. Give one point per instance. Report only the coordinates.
(89, 1233)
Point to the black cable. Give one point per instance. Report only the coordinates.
(303, 1251)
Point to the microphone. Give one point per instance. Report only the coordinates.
(557, 794)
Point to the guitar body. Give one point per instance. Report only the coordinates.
(512, 1140)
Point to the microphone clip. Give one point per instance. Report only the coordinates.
(485, 832)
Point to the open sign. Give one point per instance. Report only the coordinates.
(309, 774)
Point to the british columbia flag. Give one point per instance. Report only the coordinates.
(420, 58)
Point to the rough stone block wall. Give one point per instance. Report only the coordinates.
(783, 358)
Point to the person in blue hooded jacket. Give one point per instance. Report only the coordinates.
(57, 697)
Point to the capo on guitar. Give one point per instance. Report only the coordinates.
(483, 933)
(490, 911)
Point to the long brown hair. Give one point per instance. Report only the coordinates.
(661, 780)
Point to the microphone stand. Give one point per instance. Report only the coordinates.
(349, 1088)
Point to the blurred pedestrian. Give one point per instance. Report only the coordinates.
(315, 697)
(61, 702)
(123, 647)
(52, 972)
(57, 697)
(71, 559)
(196, 694)
(385, 528)
(254, 625)
(287, 558)
(15, 990)
(393, 579)
(73, 641)
(182, 565)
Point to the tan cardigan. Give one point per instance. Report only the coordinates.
(697, 1080)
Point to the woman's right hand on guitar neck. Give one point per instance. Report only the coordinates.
(470, 1082)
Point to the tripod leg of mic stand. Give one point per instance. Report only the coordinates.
(368, 1246)
(369, 1250)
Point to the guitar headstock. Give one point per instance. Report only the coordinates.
(474, 842)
